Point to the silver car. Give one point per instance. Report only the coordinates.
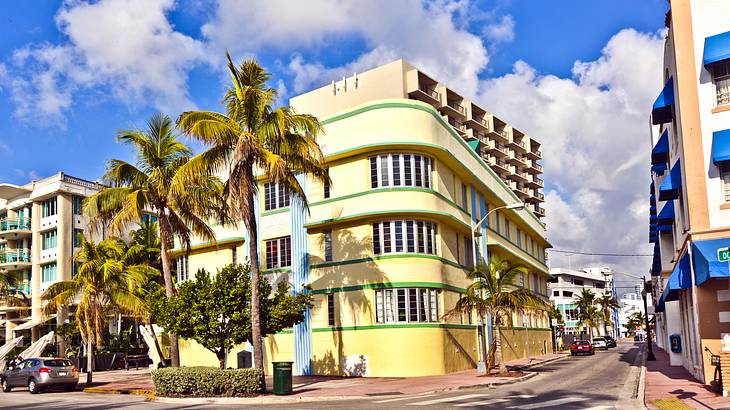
(39, 373)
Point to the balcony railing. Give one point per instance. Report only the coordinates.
(456, 106)
(14, 224)
(504, 133)
(539, 196)
(456, 124)
(15, 256)
(431, 92)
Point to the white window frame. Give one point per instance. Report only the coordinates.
(275, 196)
(384, 166)
(328, 245)
(386, 234)
(279, 259)
(391, 308)
(183, 268)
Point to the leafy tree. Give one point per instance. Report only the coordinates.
(182, 207)
(253, 136)
(104, 282)
(493, 291)
(215, 310)
(607, 304)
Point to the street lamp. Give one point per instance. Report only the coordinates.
(482, 366)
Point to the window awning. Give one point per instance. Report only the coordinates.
(653, 219)
(475, 145)
(681, 278)
(666, 215)
(706, 262)
(660, 152)
(720, 146)
(33, 323)
(663, 109)
(717, 48)
(656, 264)
(669, 189)
(659, 169)
(652, 210)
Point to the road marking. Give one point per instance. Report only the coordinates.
(548, 403)
(404, 398)
(447, 399)
(481, 403)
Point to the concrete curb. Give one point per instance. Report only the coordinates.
(555, 359)
(632, 393)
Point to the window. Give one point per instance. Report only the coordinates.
(458, 251)
(48, 207)
(76, 204)
(519, 238)
(234, 255)
(506, 228)
(326, 189)
(463, 196)
(401, 170)
(406, 305)
(721, 78)
(578, 282)
(48, 273)
(532, 247)
(76, 239)
(328, 245)
(278, 252)
(571, 314)
(468, 252)
(49, 240)
(725, 176)
(556, 293)
(567, 294)
(182, 269)
(331, 309)
(275, 196)
(404, 236)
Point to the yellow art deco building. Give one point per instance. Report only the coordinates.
(386, 247)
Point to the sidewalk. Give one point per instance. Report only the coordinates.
(672, 387)
(140, 382)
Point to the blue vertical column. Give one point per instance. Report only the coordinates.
(299, 279)
(485, 258)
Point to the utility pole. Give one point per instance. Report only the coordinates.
(647, 290)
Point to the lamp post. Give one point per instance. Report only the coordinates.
(482, 366)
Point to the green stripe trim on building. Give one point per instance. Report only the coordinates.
(392, 189)
(425, 212)
(276, 211)
(226, 241)
(387, 326)
(393, 256)
(437, 116)
(390, 285)
(277, 270)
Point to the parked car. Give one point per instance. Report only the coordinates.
(610, 341)
(581, 347)
(599, 342)
(39, 373)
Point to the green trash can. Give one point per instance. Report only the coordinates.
(282, 378)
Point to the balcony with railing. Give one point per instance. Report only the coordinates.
(458, 125)
(478, 119)
(423, 88)
(534, 153)
(517, 142)
(499, 130)
(499, 166)
(533, 167)
(14, 259)
(535, 182)
(454, 106)
(12, 228)
(517, 159)
(539, 211)
(497, 149)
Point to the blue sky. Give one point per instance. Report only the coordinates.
(73, 73)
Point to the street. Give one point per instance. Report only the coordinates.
(596, 382)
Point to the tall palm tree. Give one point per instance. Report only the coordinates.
(252, 137)
(151, 186)
(607, 304)
(104, 282)
(590, 317)
(585, 298)
(493, 291)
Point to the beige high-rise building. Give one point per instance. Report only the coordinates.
(39, 223)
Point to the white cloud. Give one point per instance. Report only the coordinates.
(426, 34)
(594, 130)
(502, 31)
(123, 48)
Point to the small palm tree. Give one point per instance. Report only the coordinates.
(607, 304)
(104, 282)
(493, 292)
(182, 207)
(590, 317)
(253, 136)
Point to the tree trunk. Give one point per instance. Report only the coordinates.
(256, 339)
(89, 362)
(221, 359)
(165, 240)
(498, 347)
(157, 344)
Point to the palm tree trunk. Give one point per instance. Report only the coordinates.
(157, 344)
(256, 339)
(89, 361)
(498, 347)
(165, 240)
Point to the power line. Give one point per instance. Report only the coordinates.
(620, 255)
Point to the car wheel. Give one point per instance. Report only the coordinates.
(6, 386)
(71, 387)
(33, 387)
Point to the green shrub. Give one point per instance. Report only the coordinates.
(206, 381)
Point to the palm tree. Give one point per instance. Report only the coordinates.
(590, 317)
(607, 304)
(585, 298)
(493, 292)
(251, 137)
(104, 282)
(151, 186)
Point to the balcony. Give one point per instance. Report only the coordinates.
(458, 125)
(498, 150)
(517, 145)
(423, 88)
(534, 154)
(534, 168)
(519, 176)
(536, 182)
(522, 192)
(479, 123)
(14, 228)
(499, 166)
(455, 109)
(15, 259)
(516, 159)
(536, 197)
(539, 211)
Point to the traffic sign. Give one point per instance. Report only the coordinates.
(723, 254)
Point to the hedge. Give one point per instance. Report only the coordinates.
(206, 381)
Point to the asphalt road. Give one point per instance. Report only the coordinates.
(603, 381)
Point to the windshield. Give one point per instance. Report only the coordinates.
(57, 363)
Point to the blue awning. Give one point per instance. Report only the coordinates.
(705, 258)
(652, 210)
(656, 264)
(666, 215)
(669, 189)
(664, 228)
(663, 109)
(720, 146)
(660, 152)
(653, 219)
(681, 278)
(659, 169)
(717, 48)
